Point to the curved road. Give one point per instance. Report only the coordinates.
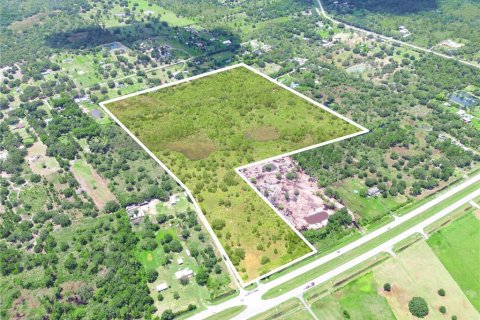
(413, 46)
(253, 299)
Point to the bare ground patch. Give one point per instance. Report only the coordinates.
(293, 192)
(71, 286)
(193, 150)
(39, 162)
(27, 301)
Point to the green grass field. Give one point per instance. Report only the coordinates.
(34, 197)
(359, 299)
(204, 129)
(458, 248)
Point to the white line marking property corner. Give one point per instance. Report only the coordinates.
(203, 219)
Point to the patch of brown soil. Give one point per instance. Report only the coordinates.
(252, 263)
(28, 299)
(193, 150)
(71, 286)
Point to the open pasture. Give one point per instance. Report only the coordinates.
(417, 272)
(203, 129)
(458, 248)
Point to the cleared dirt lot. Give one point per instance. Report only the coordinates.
(38, 161)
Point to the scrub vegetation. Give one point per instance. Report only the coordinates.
(202, 130)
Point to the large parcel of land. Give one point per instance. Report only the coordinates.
(205, 128)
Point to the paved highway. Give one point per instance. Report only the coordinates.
(253, 299)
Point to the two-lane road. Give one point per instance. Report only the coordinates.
(253, 300)
(323, 13)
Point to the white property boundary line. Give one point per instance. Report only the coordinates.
(231, 267)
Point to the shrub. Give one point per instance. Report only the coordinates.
(454, 317)
(168, 315)
(418, 307)
(201, 277)
(161, 218)
(218, 224)
(160, 297)
(111, 206)
(442, 309)
(441, 292)
(152, 275)
(387, 287)
(265, 260)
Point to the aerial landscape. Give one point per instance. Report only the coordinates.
(268, 159)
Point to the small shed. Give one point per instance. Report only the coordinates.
(173, 200)
(373, 192)
(180, 261)
(161, 287)
(97, 114)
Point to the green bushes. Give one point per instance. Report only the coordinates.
(418, 307)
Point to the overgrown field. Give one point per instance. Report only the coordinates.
(205, 128)
(458, 247)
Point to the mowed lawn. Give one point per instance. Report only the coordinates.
(92, 183)
(458, 247)
(359, 299)
(204, 129)
(417, 272)
(156, 260)
(369, 207)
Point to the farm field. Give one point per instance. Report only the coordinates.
(359, 299)
(458, 248)
(417, 272)
(209, 127)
